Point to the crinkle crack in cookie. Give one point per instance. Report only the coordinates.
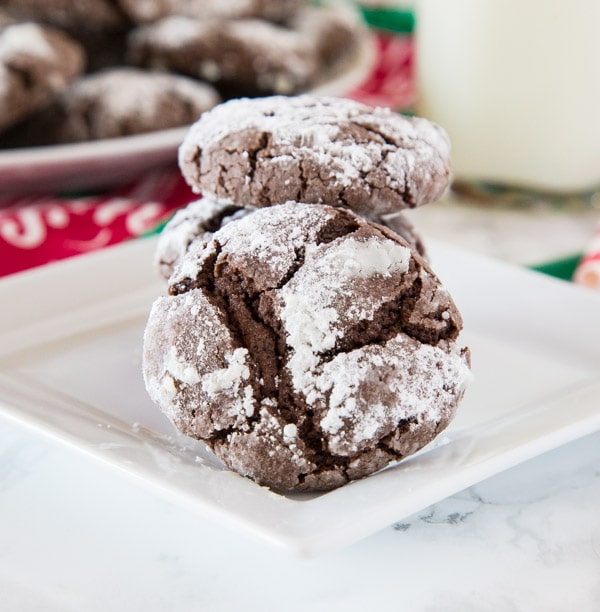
(316, 150)
(200, 219)
(193, 224)
(306, 346)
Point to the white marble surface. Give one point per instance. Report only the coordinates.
(77, 535)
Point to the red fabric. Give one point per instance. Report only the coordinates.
(38, 230)
(588, 269)
(391, 83)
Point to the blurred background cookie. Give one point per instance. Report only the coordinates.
(241, 57)
(36, 62)
(117, 102)
(99, 26)
(6, 19)
(248, 57)
(69, 14)
(143, 11)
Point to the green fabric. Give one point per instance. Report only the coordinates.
(392, 19)
(158, 229)
(560, 268)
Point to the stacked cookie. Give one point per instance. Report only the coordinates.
(79, 70)
(306, 343)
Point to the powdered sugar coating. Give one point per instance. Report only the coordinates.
(200, 367)
(28, 38)
(316, 150)
(172, 32)
(151, 10)
(422, 380)
(328, 345)
(257, 243)
(196, 222)
(321, 301)
(127, 91)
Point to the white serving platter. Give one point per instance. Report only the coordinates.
(70, 367)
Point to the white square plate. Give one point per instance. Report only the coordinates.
(70, 366)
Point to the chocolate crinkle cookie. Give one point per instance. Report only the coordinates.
(306, 346)
(318, 150)
(199, 220)
(248, 57)
(116, 102)
(36, 63)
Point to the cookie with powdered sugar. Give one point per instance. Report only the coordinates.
(118, 102)
(317, 150)
(306, 346)
(199, 220)
(36, 63)
(144, 11)
(248, 57)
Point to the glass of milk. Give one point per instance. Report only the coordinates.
(516, 83)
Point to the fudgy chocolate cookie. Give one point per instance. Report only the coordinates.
(143, 11)
(199, 220)
(316, 150)
(247, 57)
(306, 346)
(36, 62)
(118, 102)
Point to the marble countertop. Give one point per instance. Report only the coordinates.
(77, 535)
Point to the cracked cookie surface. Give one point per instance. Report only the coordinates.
(316, 150)
(306, 346)
(201, 218)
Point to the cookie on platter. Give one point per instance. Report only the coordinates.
(306, 346)
(314, 149)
